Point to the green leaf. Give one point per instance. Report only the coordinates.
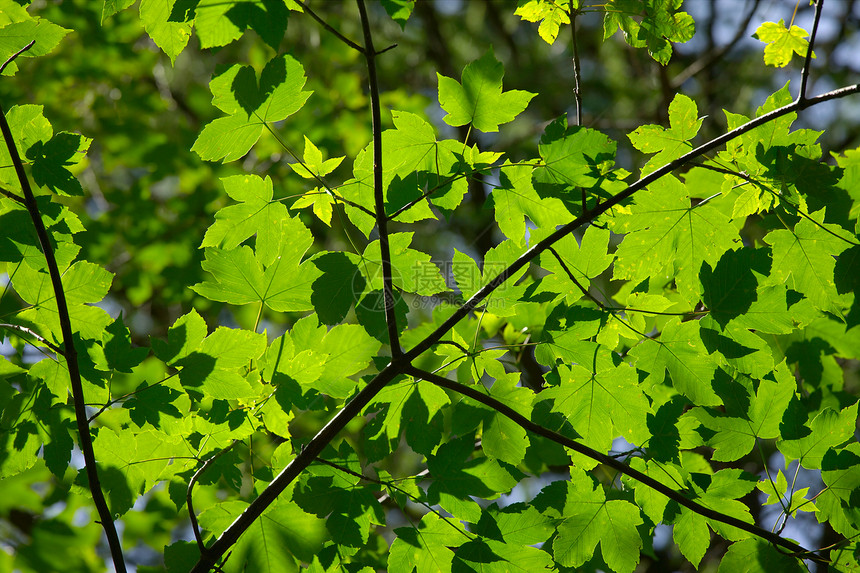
(311, 354)
(312, 165)
(669, 143)
(758, 556)
(256, 214)
(183, 338)
(218, 366)
(660, 25)
(399, 10)
(83, 283)
(502, 438)
(680, 351)
(735, 437)
(574, 156)
(283, 534)
(405, 406)
(479, 100)
(251, 106)
(840, 471)
(470, 279)
(827, 430)
(170, 36)
(457, 478)
(550, 14)
(730, 288)
(50, 159)
(590, 519)
(494, 556)
(425, 548)
(585, 260)
(220, 23)
(803, 260)
(782, 42)
(16, 35)
(667, 236)
(284, 286)
(515, 199)
(412, 271)
(600, 404)
(112, 7)
(691, 534)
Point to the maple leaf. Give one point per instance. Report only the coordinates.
(782, 42)
(479, 100)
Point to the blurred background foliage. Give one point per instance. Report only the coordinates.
(148, 199)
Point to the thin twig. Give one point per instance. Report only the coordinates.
(573, 279)
(191, 515)
(11, 58)
(328, 27)
(390, 485)
(577, 92)
(35, 335)
(807, 64)
(782, 200)
(526, 424)
(378, 187)
(70, 354)
(8, 194)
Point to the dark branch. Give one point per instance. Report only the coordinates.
(378, 189)
(807, 64)
(526, 424)
(616, 199)
(8, 194)
(310, 452)
(70, 353)
(35, 335)
(11, 58)
(577, 92)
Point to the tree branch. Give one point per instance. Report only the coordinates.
(310, 452)
(598, 210)
(526, 424)
(378, 189)
(35, 335)
(577, 92)
(9, 195)
(70, 353)
(807, 64)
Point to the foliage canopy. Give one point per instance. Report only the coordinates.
(277, 309)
